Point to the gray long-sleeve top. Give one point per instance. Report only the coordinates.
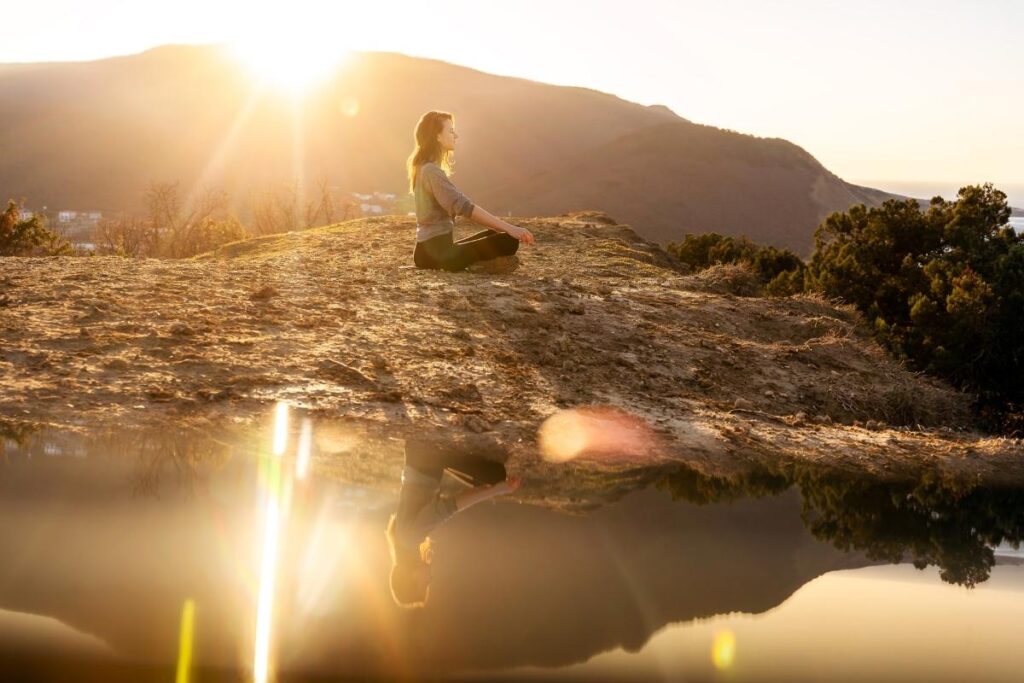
(421, 507)
(438, 201)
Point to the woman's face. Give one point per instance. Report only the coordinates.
(447, 137)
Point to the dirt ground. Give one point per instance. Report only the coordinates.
(337, 322)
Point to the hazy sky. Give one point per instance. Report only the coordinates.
(902, 90)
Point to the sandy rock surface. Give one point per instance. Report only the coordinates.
(336, 321)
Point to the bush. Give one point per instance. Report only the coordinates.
(28, 236)
(171, 228)
(780, 271)
(738, 279)
(942, 288)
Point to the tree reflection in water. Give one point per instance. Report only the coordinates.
(939, 520)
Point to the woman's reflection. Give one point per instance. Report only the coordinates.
(422, 506)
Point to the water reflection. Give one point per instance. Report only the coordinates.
(511, 586)
(939, 520)
(422, 507)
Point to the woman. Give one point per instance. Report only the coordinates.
(422, 506)
(438, 201)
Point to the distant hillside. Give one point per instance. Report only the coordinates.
(94, 135)
(678, 177)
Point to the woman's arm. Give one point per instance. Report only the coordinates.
(487, 219)
(479, 494)
(457, 204)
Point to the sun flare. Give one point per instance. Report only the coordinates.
(292, 64)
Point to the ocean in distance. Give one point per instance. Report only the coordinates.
(925, 189)
(928, 189)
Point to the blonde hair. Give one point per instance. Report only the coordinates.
(427, 147)
(406, 568)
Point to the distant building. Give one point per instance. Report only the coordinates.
(376, 203)
(78, 226)
(73, 216)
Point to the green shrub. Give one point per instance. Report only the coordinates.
(28, 236)
(943, 287)
(779, 270)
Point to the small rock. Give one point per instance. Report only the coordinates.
(211, 394)
(742, 404)
(345, 374)
(476, 424)
(768, 393)
(625, 358)
(182, 329)
(263, 294)
(575, 308)
(157, 393)
(468, 393)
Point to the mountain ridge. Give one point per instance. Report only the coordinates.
(96, 134)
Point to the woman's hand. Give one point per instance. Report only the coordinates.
(478, 494)
(486, 218)
(521, 234)
(508, 486)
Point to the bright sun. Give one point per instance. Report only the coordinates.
(290, 64)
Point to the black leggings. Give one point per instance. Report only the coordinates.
(442, 253)
(434, 457)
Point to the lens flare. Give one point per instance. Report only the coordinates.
(265, 606)
(723, 649)
(349, 107)
(268, 562)
(185, 637)
(596, 433)
(305, 444)
(280, 428)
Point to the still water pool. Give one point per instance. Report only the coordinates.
(172, 555)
